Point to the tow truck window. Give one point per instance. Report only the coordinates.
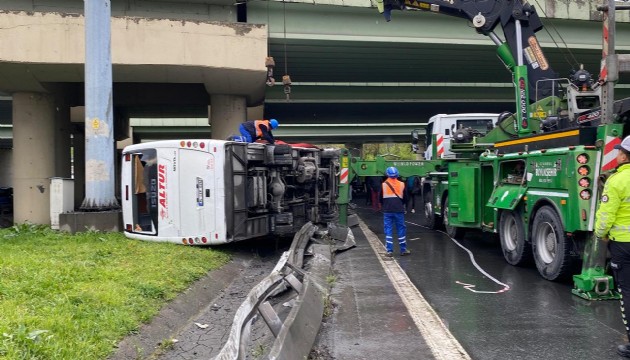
(144, 178)
(587, 102)
(481, 125)
(513, 172)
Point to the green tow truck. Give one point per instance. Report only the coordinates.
(534, 177)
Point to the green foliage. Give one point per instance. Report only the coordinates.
(258, 351)
(400, 151)
(27, 229)
(75, 296)
(397, 151)
(328, 305)
(29, 341)
(331, 280)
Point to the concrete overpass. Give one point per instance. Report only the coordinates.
(350, 67)
(205, 59)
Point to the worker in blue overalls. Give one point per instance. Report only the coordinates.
(394, 201)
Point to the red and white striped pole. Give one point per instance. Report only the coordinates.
(609, 72)
(439, 142)
(603, 73)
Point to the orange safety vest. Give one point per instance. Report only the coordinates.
(257, 124)
(393, 197)
(397, 191)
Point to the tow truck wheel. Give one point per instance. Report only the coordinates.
(452, 231)
(516, 250)
(430, 218)
(550, 244)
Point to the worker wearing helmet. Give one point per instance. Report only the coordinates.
(393, 199)
(613, 223)
(253, 130)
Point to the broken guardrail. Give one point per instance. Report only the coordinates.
(294, 337)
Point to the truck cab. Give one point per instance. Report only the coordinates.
(442, 129)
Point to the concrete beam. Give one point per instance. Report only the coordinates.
(6, 131)
(138, 52)
(314, 133)
(558, 9)
(191, 9)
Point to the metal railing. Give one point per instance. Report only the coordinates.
(294, 337)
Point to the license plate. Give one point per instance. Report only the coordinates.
(199, 191)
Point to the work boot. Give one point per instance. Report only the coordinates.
(389, 254)
(624, 350)
(406, 252)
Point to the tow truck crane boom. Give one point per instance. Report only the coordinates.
(536, 188)
(520, 53)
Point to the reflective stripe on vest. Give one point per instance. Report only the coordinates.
(398, 186)
(257, 124)
(613, 214)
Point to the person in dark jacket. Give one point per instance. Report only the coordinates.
(413, 189)
(258, 129)
(374, 186)
(394, 202)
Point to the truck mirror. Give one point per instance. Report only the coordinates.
(415, 138)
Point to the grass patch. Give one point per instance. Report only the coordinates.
(76, 296)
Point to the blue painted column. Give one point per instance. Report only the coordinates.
(99, 123)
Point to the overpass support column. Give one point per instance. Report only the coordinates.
(78, 143)
(99, 123)
(227, 112)
(33, 156)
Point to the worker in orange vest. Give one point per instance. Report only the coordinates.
(394, 201)
(258, 129)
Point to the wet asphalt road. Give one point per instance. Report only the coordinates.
(533, 319)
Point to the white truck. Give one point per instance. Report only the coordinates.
(206, 192)
(445, 128)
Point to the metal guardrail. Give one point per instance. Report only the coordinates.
(295, 336)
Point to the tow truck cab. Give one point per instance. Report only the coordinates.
(442, 128)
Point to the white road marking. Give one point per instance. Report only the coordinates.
(442, 343)
(471, 256)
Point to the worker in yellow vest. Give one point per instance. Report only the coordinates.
(613, 226)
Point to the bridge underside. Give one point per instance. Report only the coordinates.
(349, 66)
(355, 77)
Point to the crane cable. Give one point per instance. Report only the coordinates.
(470, 287)
(286, 79)
(568, 50)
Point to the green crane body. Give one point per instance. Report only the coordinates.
(537, 189)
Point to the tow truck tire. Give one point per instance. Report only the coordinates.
(516, 250)
(430, 219)
(452, 231)
(550, 245)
